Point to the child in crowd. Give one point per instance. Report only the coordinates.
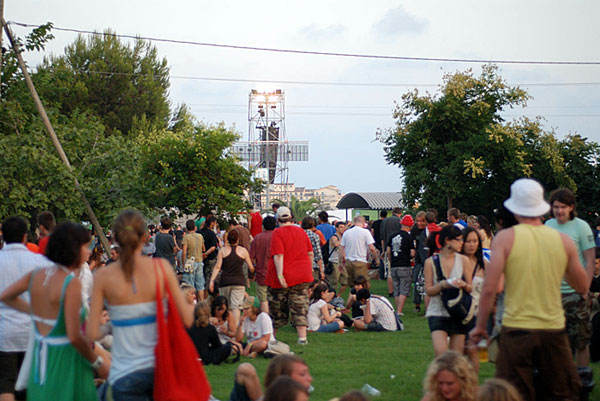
(189, 292)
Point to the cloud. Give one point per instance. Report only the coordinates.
(398, 21)
(318, 32)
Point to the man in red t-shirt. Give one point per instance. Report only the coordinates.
(289, 274)
(255, 223)
(46, 224)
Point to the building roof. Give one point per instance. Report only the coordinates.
(370, 200)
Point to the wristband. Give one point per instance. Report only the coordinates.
(98, 362)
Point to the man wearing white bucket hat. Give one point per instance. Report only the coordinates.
(533, 258)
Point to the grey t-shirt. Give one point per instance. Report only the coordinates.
(164, 247)
(389, 226)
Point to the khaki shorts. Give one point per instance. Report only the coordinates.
(355, 269)
(261, 292)
(234, 294)
(338, 275)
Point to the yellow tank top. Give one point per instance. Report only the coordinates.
(534, 270)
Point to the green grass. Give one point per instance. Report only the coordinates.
(393, 362)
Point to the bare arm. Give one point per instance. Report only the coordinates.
(368, 318)
(96, 306)
(590, 261)
(374, 252)
(10, 296)
(248, 261)
(342, 254)
(575, 275)
(432, 289)
(501, 247)
(72, 309)
(278, 260)
(216, 270)
(326, 315)
(185, 309)
(184, 252)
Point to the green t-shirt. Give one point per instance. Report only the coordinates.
(581, 234)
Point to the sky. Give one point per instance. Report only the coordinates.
(340, 121)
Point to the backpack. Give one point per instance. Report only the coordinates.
(458, 303)
(326, 253)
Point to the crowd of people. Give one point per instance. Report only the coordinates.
(76, 325)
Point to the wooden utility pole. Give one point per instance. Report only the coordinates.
(57, 145)
(1, 21)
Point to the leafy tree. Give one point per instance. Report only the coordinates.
(301, 208)
(582, 163)
(117, 82)
(189, 172)
(455, 149)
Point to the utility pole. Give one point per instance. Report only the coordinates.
(1, 22)
(50, 129)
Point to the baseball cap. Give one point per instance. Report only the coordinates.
(284, 212)
(249, 302)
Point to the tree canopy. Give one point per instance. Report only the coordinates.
(118, 134)
(455, 149)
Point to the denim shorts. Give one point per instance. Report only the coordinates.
(329, 327)
(195, 278)
(136, 386)
(447, 324)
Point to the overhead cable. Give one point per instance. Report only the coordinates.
(318, 53)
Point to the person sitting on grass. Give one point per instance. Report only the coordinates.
(206, 339)
(352, 304)
(498, 390)
(322, 316)
(354, 395)
(450, 377)
(189, 292)
(256, 326)
(223, 319)
(247, 384)
(378, 313)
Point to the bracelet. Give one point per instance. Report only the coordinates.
(98, 362)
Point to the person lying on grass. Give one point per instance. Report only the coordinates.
(256, 326)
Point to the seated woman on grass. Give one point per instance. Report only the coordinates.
(256, 326)
(206, 339)
(319, 316)
(222, 319)
(450, 377)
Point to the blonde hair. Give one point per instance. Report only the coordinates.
(458, 365)
(130, 230)
(186, 289)
(202, 314)
(498, 390)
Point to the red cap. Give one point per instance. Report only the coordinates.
(407, 221)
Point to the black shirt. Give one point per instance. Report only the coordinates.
(164, 247)
(210, 240)
(401, 244)
(377, 231)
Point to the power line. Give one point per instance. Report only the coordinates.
(324, 83)
(347, 106)
(318, 53)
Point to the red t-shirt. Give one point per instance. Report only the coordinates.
(256, 224)
(293, 243)
(42, 245)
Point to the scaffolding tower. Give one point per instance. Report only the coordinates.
(267, 151)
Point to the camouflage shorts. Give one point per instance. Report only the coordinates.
(208, 269)
(284, 302)
(577, 315)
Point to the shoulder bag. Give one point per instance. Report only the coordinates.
(457, 301)
(178, 374)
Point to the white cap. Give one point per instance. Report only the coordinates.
(284, 212)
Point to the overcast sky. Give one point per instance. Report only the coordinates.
(340, 121)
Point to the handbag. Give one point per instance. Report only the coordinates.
(399, 324)
(457, 301)
(178, 374)
(275, 348)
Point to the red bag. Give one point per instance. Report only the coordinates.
(179, 374)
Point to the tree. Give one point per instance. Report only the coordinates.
(189, 172)
(117, 82)
(301, 208)
(455, 149)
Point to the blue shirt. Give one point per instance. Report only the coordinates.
(327, 229)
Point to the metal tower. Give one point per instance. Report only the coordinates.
(268, 151)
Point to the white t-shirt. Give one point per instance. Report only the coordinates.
(315, 315)
(356, 243)
(261, 326)
(15, 262)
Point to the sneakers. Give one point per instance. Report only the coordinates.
(418, 309)
(400, 314)
(302, 341)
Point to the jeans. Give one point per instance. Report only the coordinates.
(136, 386)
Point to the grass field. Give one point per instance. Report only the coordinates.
(393, 362)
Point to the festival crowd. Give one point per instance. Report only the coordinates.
(76, 324)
